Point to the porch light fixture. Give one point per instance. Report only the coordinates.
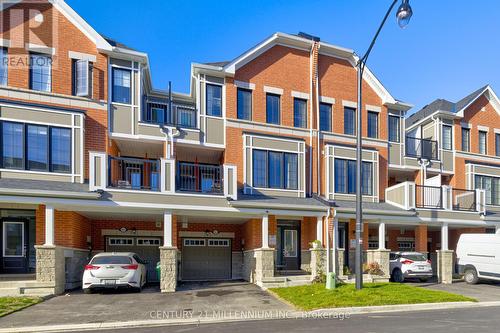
(403, 15)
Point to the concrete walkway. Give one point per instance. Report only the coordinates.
(192, 301)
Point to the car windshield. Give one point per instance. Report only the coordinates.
(111, 260)
(414, 257)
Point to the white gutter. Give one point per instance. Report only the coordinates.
(51, 194)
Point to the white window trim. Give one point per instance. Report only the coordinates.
(40, 49)
(244, 85)
(373, 108)
(349, 104)
(301, 95)
(466, 125)
(483, 128)
(496, 130)
(4, 42)
(82, 56)
(273, 90)
(327, 100)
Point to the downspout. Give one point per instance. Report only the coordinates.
(318, 153)
(310, 117)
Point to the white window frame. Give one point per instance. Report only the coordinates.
(226, 242)
(85, 77)
(294, 234)
(186, 242)
(124, 238)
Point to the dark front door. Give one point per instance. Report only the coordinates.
(288, 244)
(14, 245)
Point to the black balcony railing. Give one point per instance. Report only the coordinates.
(421, 148)
(156, 111)
(464, 200)
(428, 197)
(134, 174)
(199, 178)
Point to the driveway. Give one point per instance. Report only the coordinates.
(484, 291)
(192, 299)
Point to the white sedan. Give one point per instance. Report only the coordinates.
(114, 270)
(409, 265)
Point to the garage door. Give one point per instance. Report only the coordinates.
(206, 259)
(146, 247)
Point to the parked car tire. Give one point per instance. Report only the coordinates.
(470, 276)
(424, 279)
(88, 291)
(397, 276)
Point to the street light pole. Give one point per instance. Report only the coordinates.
(403, 15)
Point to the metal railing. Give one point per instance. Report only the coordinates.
(133, 173)
(428, 197)
(200, 178)
(464, 200)
(421, 148)
(155, 111)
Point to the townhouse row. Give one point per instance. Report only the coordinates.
(251, 175)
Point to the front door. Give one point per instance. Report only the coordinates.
(288, 245)
(14, 246)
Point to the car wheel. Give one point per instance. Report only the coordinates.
(397, 276)
(87, 291)
(424, 279)
(470, 276)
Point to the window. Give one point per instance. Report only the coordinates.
(214, 100)
(121, 85)
(497, 144)
(37, 147)
(345, 177)
(244, 104)
(290, 243)
(446, 137)
(40, 72)
(273, 109)
(218, 242)
(465, 139)
(194, 242)
(275, 169)
(394, 130)
(12, 145)
(299, 113)
(148, 242)
(120, 241)
(372, 124)
(491, 185)
(325, 117)
(3, 66)
(349, 114)
(82, 78)
(482, 142)
(60, 152)
(157, 115)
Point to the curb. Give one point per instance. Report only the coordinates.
(320, 313)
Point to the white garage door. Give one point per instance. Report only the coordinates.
(146, 247)
(206, 259)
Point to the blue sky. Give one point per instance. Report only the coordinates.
(449, 49)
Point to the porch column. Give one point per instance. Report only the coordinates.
(168, 255)
(265, 231)
(444, 258)
(380, 255)
(381, 235)
(318, 263)
(49, 226)
(264, 257)
(319, 229)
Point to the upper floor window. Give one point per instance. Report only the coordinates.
(122, 92)
(299, 113)
(447, 137)
(345, 177)
(214, 100)
(82, 78)
(3, 66)
(349, 114)
(482, 142)
(273, 109)
(394, 129)
(491, 186)
(40, 72)
(273, 169)
(497, 144)
(465, 139)
(244, 104)
(372, 124)
(36, 147)
(325, 117)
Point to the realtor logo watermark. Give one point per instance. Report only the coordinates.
(29, 30)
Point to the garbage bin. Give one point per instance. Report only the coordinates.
(158, 270)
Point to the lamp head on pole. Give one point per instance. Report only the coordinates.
(404, 14)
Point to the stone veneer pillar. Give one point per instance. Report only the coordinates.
(168, 269)
(340, 262)
(50, 267)
(380, 256)
(318, 262)
(264, 264)
(445, 266)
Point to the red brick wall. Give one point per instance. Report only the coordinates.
(206, 227)
(98, 225)
(252, 234)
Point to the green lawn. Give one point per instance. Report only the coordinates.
(316, 296)
(11, 304)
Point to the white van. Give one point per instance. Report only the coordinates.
(478, 257)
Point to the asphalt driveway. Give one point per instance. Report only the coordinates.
(192, 300)
(485, 291)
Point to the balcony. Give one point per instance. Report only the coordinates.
(165, 176)
(156, 111)
(421, 148)
(408, 195)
